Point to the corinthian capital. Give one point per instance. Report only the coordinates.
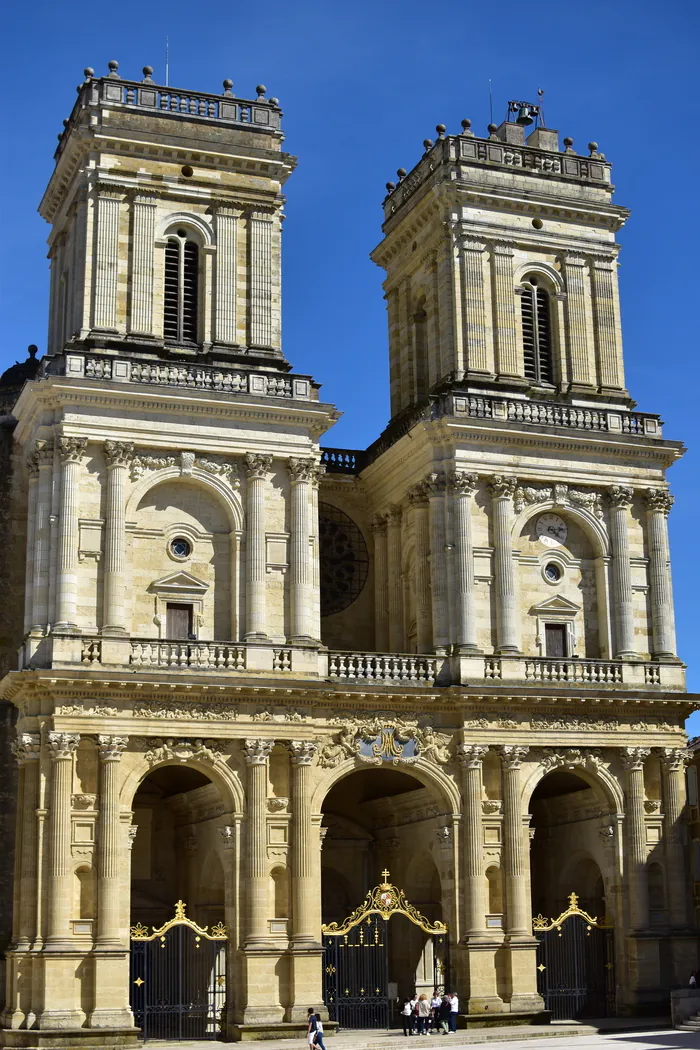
(418, 495)
(658, 499)
(634, 757)
(43, 453)
(620, 496)
(62, 745)
(257, 752)
(302, 752)
(305, 470)
(436, 483)
(512, 755)
(111, 747)
(119, 453)
(71, 449)
(26, 747)
(393, 514)
(257, 465)
(464, 484)
(501, 486)
(675, 758)
(470, 756)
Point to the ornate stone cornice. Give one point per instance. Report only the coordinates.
(302, 752)
(257, 752)
(72, 449)
(27, 747)
(119, 453)
(620, 496)
(658, 499)
(471, 756)
(462, 483)
(257, 465)
(634, 757)
(501, 486)
(512, 755)
(111, 747)
(62, 745)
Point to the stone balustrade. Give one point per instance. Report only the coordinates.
(409, 670)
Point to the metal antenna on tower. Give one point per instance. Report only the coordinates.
(540, 98)
(167, 62)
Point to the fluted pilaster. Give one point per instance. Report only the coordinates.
(110, 850)
(620, 501)
(260, 236)
(673, 763)
(470, 758)
(71, 451)
(514, 856)
(502, 488)
(418, 498)
(381, 595)
(394, 580)
(226, 320)
(507, 364)
(27, 749)
(256, 470)
(33, 486)
(106, 260)
(257, 754)
(633, 759)
(302, 473)
(606, 323)
(577, 325)
(304, 852)
(62, 747)
(144, 231)
(437, 485)
(463, 488)
(118, 455)
(658, 504)
(477, 354)
(43, 457)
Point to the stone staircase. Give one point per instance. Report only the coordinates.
(691, 1024)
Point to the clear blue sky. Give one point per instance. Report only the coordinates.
(362, 84)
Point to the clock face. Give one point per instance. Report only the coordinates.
(552, 530)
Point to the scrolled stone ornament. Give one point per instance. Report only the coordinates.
(658, 499)
(257, 752)
(501, 486)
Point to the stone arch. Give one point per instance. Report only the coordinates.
(541, 269)
(604, 784)
(219, 773)
(592, 527)
(192, 222)
(228, 497)
(427, 773)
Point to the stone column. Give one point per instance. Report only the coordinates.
(316, 554)
(606, 328)
(507, 364)
(260, 240)
(514, 856)
(118, 455)
(301, 472)
(110, 855)
(303, 870)
(395, 586)
(71, 450)
(637, 885)
(225, 327)
(620, 500)
(470, 758)
(577, 322)
(436, 484)
(106, 260)
(62, 747)
(256, 469)
(33, 472)
(502, 488)
(27, 750)
(673, 763)
(257, 753)
(658, 503)
(418, 498)
(144, 234)
(381, 598)
(43, 452)
(463, 489)
(477, 355)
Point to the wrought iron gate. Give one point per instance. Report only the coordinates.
(575, 964)
(178, 978)
(356, 961)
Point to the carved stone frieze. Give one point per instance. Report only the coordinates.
(83, 801)
(88, 707)
(162, 750)
(213, 712)
(569, 758)
(560, 495)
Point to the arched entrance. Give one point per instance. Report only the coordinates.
(376, 821)
(178, 930)
(575, 962)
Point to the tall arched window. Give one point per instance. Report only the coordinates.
(181, 289)
(537, 331)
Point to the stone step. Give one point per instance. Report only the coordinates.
(688, 1026)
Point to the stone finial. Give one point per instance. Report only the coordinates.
(466, 127)
(593, 147)
(401, 172)
(113, 67)
(147, 74)
(261, 89)
(427, 144)
(88, 72)
(492, 129)
(274, 101)
(441, 129)
(391, 186)
(568, 142)
(227, 85)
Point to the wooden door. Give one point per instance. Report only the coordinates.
(178, 622)
(555, 640)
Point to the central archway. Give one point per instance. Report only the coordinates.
(378, 820)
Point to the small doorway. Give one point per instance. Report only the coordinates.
(179, 621)
(555, 641)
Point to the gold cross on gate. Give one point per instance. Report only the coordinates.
(385, 875)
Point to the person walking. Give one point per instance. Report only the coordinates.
(454, 1010)
(311, 1026)
(407, 1016)
(423, 1014)
(318, 1035)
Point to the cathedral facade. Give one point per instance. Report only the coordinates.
(259, 676)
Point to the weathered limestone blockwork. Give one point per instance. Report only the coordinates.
(257, 677)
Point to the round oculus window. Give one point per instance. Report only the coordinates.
(181, 547)
(552, 572)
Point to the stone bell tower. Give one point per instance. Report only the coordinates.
(200, 177)
(501, 270)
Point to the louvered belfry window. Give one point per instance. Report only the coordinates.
(181, 289)
(537, 332)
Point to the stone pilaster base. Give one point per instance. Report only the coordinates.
(306, 982)
(262, 980)
(481, 976)
(69, 1039)
(521, 960)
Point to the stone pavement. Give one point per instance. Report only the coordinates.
(555, 1036)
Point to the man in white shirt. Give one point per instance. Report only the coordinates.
(435, 1011)
(454, 1010)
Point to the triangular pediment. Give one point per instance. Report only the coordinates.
(557, 604)
(180, 583)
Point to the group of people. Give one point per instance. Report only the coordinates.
(422, 1015)
(314, 1031)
